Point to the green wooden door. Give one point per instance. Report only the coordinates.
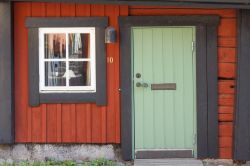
(164, 119)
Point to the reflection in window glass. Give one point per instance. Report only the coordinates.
(67, 59)
(79, 74)
(55, 73)
(55, 45)
(79, 45)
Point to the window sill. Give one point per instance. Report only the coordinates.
(67, 98)
(69, 91)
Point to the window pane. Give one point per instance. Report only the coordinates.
(79, 74)
(79, 45)
(55, 73)
(55, 45)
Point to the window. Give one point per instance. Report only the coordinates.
(67, 60)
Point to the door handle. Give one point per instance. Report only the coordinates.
(143, 85)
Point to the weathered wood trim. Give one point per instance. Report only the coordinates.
(212, 81)
(101, 67)
(33, 39)
(38, 22)
(206, 29)
(201, 91)
(66, 98)
(187, 3)
(169, 20)
(162, 154)
(242, 113)
(126, 93)
(100, 96)
(6, 75)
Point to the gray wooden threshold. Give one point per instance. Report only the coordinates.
(168, 162)
(163, 153)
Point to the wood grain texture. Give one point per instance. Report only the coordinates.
(226, 86)
(96, 10)
(38, 114)
(112, 11)
(53, 110)
(164, 119)
(227, 42)
(227, 128)
(22, 112)
(225, 117)
(226, 109)
(226, 100)
(68, 110)
(225, 142)
(227, 55)
(230, 31)
(227, 70)
(226, 153)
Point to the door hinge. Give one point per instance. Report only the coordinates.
(193, 46)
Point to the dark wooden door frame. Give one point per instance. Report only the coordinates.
(242, 113)
(206, 73)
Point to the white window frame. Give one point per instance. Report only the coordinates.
(91, 59)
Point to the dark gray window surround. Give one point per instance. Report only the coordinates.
(33, 24)
(207, 79)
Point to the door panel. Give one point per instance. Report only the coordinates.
(164, 119)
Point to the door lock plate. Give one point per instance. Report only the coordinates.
(166, 86)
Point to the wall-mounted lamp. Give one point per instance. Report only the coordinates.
(110, 35)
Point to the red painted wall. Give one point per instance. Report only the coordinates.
(87, 123)
(84, 123)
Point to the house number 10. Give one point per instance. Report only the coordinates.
(110, 59)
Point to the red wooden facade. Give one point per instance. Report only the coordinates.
(88, 123)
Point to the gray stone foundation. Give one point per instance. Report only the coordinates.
(75, 152)
(59, 152)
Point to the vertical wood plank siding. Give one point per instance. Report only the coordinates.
(67, 123)
(87, 123)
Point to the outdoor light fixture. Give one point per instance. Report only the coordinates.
(110, 35)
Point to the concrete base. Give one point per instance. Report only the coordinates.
(247, 163)
(184, 162)
(42, 152)
(168, 162)
(218, 162)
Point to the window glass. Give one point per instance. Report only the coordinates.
(79, 45)
(55, 46)
(79, 74)
(55, 73)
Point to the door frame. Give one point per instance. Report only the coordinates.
(206, 78)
